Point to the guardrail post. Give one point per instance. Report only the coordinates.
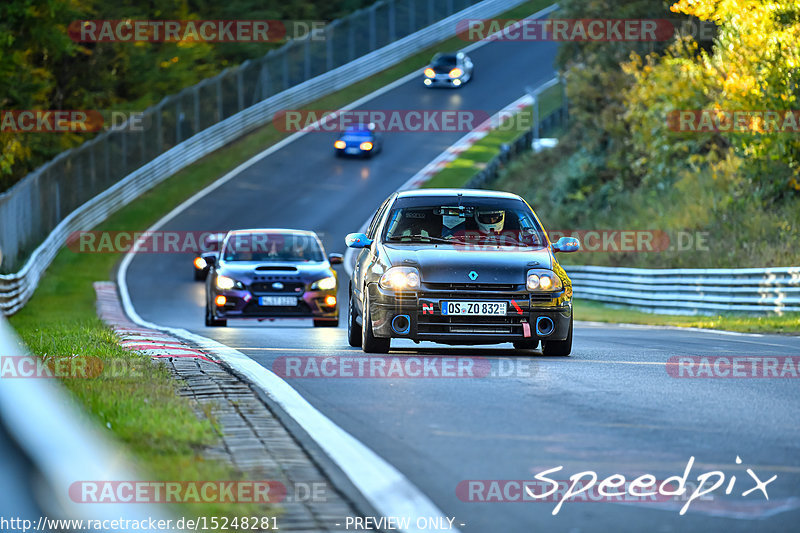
(285, 69)
(196, 95)
(307, 59)
(373, 36)
(240, 86)
(220, 106)
(392, 29)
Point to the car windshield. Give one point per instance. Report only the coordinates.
(255, 246)
(445, 61)
(501, 221)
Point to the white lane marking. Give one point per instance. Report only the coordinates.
(391, 493)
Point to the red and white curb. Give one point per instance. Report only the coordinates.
(466, 142)
(133, 337)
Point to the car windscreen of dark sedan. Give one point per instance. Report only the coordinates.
(485, 221)
(444, 62)
(272, 247)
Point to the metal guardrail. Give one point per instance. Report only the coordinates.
(58, 445)
(31, 209)
(691, 291)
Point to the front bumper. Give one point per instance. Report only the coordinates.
(427, 323)
(353, 151)
(245, 304)
(443, 80)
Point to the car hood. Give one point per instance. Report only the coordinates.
(448, 264)
(247, 271)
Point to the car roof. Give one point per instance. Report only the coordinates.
(467, 193)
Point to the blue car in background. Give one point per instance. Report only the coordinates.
(360, 140)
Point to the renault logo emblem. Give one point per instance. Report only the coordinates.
(473, 275)
(278, 286)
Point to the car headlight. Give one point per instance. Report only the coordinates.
(199, 263)
(430, 73)
(324, 284)
(225, 283)
(456, 73)
(366, 146)
(541, 279)
(400, 278)
(340, 145)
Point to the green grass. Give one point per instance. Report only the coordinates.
(142, 410)
(788, 323)
(459, 171)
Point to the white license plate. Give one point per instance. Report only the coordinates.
(274, 301)
(473, 308)
(352, 150)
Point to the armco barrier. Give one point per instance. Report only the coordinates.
(691, 291)
(17, 288)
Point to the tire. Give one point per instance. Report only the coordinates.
(212, 322)
(199, 275)
(353, 329)
(526, 344)
(562, 348)
(369, 342)
(326, 322)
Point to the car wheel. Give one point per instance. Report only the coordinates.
(199, 275)
(353, 329)
(526, 344)
(212, 322)
(369, 342)
(559, 347)
(326, 322)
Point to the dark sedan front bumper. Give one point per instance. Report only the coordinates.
(246, 304)
(423, 312)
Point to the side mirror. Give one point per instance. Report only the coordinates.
(210, 258)
(335, 259)
(357, 240)
(567, 244)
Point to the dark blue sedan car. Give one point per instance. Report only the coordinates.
(360, 140)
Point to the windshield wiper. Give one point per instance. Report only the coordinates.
(418, 238)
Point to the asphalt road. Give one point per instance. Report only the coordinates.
(611, 407)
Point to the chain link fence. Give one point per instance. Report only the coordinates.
(32, 208)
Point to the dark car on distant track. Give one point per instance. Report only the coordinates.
(448, 70)
(459, 267)
(272, 273)
(210, 243)
(360, 140)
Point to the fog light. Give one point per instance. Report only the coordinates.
(330, 301)
(456, 83)
(427, 81)
(220, 300)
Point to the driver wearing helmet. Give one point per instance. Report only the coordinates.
(490, 221)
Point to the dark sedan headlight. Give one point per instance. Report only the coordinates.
(224, 283)
(400, 278)
(324, 284)
(541, 279)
